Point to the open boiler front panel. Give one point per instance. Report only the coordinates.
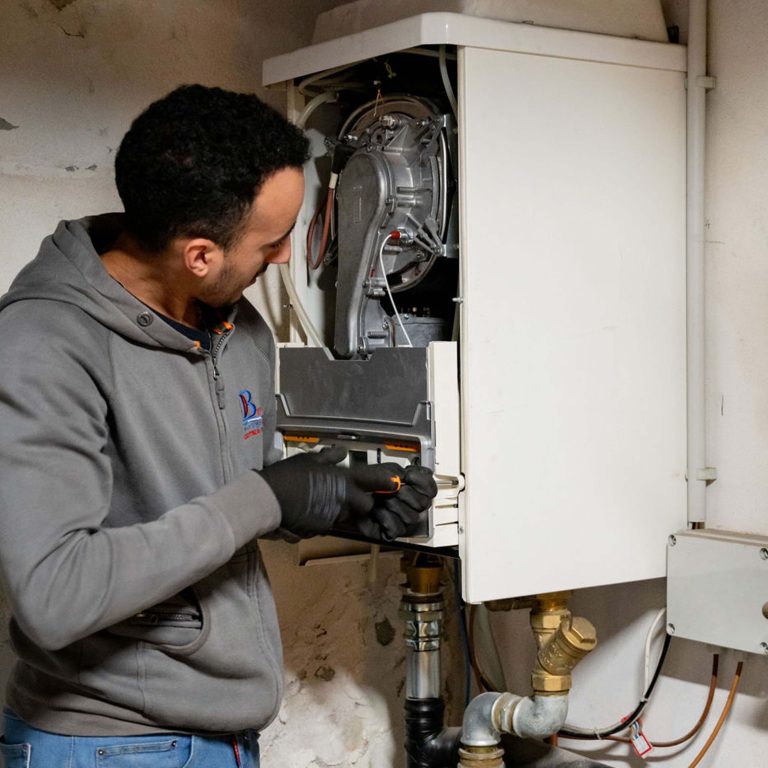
(497, 280)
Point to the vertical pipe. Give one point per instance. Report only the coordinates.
(423, 635)
(696, 98)
(427, 743)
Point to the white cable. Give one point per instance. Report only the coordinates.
(312, 105)
(306, 324)
(648, 641)
(389, 293)
(301, 314)
(447, 83)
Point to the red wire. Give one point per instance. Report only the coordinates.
(325, 207)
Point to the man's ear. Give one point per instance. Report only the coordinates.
(201, 256)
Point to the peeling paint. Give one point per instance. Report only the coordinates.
(6, 126)
(385, 632)
(325, 673)
(92, 167)
(72, 168)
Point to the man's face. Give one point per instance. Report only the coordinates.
(265, 238)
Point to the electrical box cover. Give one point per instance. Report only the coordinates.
(717, 589)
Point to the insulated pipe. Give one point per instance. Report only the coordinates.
(696, 102)
(427, 743)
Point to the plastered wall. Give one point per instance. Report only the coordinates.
(72, 75)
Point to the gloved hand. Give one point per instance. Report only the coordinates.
(398, 514)
(314, 493)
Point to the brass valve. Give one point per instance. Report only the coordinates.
(562, 639)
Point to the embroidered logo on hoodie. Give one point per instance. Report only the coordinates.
(253, 415)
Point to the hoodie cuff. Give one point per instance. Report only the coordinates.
(248, 505)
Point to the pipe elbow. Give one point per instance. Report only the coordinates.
(481, 725)
(535, 717)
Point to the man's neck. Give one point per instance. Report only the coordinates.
(152, 280)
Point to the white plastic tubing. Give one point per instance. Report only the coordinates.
(697, 70)
(313, 337)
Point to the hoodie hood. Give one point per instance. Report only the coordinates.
(68, 269)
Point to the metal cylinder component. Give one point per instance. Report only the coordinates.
(423, 675)
(481, 757)
(423, 636)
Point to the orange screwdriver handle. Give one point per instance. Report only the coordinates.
(396, 480)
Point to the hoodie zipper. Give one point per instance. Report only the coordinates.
(218, 386)
(218, 382)
(153, 617)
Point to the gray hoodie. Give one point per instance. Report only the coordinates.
(128, 510)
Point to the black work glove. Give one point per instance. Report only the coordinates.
(399, 514)
(314, 493)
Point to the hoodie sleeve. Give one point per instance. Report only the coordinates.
(66, 574)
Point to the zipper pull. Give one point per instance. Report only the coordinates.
(220, 393)
(218, 384)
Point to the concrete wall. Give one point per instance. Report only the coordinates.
(72, 75)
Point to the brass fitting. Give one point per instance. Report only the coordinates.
(562, 640)
(422, 573)
(481, 757)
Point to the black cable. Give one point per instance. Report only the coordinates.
(632, 719)
(464, 634)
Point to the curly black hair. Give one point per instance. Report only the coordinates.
(192, 163)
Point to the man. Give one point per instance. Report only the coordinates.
(138, 461)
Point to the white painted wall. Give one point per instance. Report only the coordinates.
(72, 79)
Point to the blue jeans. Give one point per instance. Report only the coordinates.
(23, 746)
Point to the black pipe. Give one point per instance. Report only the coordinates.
(427, 743)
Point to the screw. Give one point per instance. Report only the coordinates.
(670, 629)
(672, 540)
(764, 553)
(764, 646)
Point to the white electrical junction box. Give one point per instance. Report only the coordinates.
(717, 589)
(560, 421)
